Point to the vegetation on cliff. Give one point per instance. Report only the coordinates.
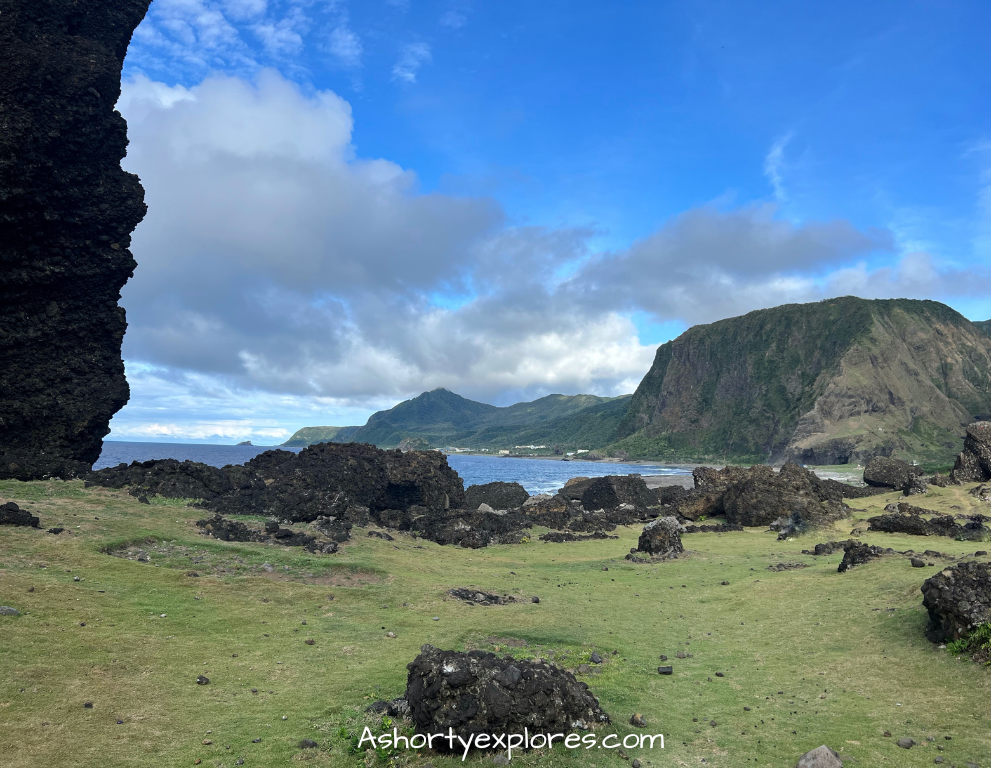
(827, 383)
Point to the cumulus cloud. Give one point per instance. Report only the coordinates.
(274, 257)
(414, 56)
(280, 273)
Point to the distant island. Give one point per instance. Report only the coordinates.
(246, 442)
(832, 382)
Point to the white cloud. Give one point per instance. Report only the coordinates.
(453, 19)
(414, 56)
(285, 36)
(280, 276)
(345, 45)
(774, 163)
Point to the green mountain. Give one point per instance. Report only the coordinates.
(443, 418)
(827, 383)
(310, 435)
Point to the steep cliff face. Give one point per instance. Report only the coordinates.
(832, 382)
(67, 211)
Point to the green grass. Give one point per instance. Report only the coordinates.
(855, 638)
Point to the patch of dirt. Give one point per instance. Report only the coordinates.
(786, 566)
(352, 579)
(198, 561)
(508, 642)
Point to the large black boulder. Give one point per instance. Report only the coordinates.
(758, 495)
(478, 692)
(661, 538)
(855, 553)
(498, 495)
(11, 514)
(885, 472)
(958, 599)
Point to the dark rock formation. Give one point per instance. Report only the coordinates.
(233, 530)
(829, 547)
(884, 472)
(855, 553)
(351, 481)
(958, 600)
(11, 514)
(916, 486)
(478, 692)
(497, 495)
(661, 538)
(326, 478)
(610, 492)
(564, 537)
(67, 211)
(720, 528)
(973, 465)
(905, 518)
(478, 597)
(758, 496)
(174, 479)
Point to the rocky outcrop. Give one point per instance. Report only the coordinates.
(11, 514)
(856, 553)
(885, 472)
(67, 211)
(477, 692)
(958, 600)
(352, 481)
(905, 518)
(757, 496)
(820, 757)
(661, 538)
(497, 495)
(973, 465)
(234, 530)
(173, 479)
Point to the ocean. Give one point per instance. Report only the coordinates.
(536, 475)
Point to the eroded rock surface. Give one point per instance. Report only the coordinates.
(497, 495)
(11, 514)
(756, 496)
(885, 472)
(958, 600)
(67, 211)
(973, 465)
(478, 692)
(661, 538)
(855, 553)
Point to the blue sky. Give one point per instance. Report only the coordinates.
(351, 202)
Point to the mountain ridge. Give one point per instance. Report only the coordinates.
(825, 383)
(444, 418)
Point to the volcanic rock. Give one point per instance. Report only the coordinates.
(497, 495)
(173, 479)
(562, 537)
(758, 496)
(478, 597)
(67, 211)
(478, 692)
(973, 465)
(855, 553)
(719, 528)
(885, 472)
(661, 538)
(905, 518)
(11, 514)
(6, 610)
(820, 757)
(958, 600)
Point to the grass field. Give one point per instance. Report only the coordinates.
(819, 657)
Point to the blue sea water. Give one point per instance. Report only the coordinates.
(536, 475)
